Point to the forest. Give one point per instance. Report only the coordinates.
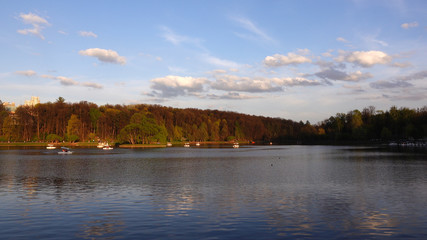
(146, 124)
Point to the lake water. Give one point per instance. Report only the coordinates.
(254, 192)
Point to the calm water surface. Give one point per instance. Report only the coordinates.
(254, 192)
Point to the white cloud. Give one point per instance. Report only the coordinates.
(87, 34)
(341, 39)
(36, 21)
(63, 80)
(92, 85)
(380, 42)
(66, 81)
(255, 32)
(32, 18)
(172, 86)
(171, 37)
(219, 62)
(104, 55)
(364, 58)
(280, 60)
(27, 73)
(409, 25)
(177, 39)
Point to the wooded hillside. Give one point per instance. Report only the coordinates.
(143, 123)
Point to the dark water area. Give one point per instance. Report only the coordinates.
(253, 192)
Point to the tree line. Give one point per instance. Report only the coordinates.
(143, 123)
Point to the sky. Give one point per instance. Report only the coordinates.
(300, 60)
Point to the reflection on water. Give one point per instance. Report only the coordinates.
(254, 192)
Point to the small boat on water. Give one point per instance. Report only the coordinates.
(187, 145)
(64, 151)
(169, 144)
(236, 145)
(197, 144)
(50, 146)
(100, 145)
(107, 147)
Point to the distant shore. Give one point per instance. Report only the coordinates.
(93, 144)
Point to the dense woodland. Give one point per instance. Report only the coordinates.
(144, 124)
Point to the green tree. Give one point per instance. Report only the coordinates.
(131, 133)
(238, 132)
(215, 130)
(161, 135)
(73, 128)
(95, 114)
(224, 130)
(177, 133)
(54, 138)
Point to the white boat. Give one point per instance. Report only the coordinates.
(65, 151)
(50, 146)
(107, 147)
(236, 145)
(197, 144)
(100, 145)
(169, 144)
(187, 145)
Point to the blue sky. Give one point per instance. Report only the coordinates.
(299, 60)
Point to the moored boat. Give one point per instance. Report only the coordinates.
(50, 146)
(107, 147)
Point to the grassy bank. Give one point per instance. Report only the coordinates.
(22, 144)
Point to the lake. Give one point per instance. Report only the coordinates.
(253, 192)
